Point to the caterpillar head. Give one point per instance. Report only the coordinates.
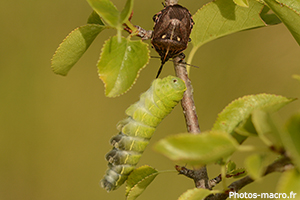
(169, 90)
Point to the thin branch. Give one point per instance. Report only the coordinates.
(199, 176)
(144, 34)
(171, 2)
(187, 103)
(280, 165)
(140, 32)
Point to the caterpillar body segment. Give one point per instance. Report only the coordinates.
(137, 129)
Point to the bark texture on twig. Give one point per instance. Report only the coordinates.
(171, 2)
(187, 103)
(199, 176)
(140, 32)
(280, 165)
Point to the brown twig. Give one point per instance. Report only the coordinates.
(199, 176)
(280, 165)
(171, 2)
(187, 103)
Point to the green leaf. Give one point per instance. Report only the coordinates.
(296, 76)
(138, 181)
(94, 18)
(294, 5)
(120, 63)
(196, 150)
(73, 47)
(291, 138)
(266, 129)
(289, 13)
(222, 17)
(239, 110)
(289, 182)
(243, 3)
(238, 173)
(107, 10)
(246, 128)
(255, 166)
(195, 194)
(126, 12)
(230, 166)
(269, 18)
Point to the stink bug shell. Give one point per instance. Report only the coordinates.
(172, 29)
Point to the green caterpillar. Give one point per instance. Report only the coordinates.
(136, 130)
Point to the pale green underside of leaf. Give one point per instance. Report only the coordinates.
(262, 124)
(296, 76)
(73, 47)
(94, 18)
(291, 138)
(289, 182)
(197, 150)
(195, 194)
(230, 166)
(109, 13)
(239, 110)
(138, 181)
(289, 13)
(223, 17)
(293, 5)
(120, 63)
(126, 12)
(266, 129)
(255, 166)
(243, 3)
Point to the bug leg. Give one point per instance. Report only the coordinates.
(159, 70)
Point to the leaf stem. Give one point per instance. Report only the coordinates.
(223, 175)
(132, 28)
(119, 35)
(190, 58)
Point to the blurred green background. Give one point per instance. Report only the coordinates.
(54, 130)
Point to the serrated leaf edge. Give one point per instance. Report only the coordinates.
(205, 5)
(155, 173)
(253, 95)
(190, 193)
(284, 4)
(59, 46)
(138, 72)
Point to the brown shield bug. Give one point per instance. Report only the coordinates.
(172, 29)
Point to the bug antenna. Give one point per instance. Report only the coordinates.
(190, 65)
(187, 64)
(154, 56)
